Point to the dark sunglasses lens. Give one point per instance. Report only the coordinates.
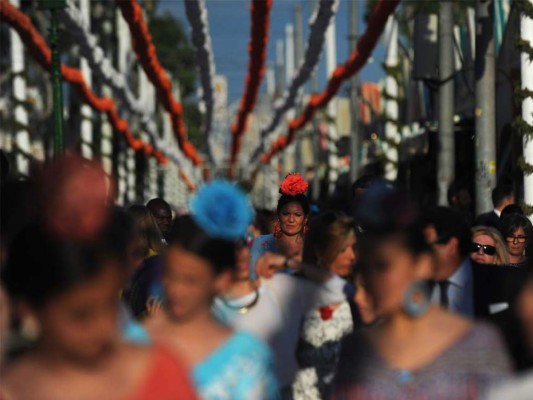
(487, 249)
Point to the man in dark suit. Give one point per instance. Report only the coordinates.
(473, 290)
(502, 196)
(448, 232)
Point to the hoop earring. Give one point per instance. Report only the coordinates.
(416, 299)
(277, 230)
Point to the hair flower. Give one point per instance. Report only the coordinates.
(222, 210)
(293, 184)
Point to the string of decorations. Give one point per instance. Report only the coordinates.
(146, 53)
(201, 39)
(41, 52)
(260, 11)
(77, 26)
(376, 23)
(321, 19)
(520, 125)
(101, 66)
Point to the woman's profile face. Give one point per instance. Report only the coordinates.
(483, 249)
(343, 262)
(292, 218)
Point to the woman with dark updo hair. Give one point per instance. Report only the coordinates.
(291, 225)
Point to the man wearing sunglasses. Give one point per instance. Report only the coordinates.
(449, 234)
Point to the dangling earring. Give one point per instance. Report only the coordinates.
(30, 329)
(416, 299)
(304, 230)
(277, 230)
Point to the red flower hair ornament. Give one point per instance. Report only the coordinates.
(293, 184)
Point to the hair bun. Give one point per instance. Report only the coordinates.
(222, 210)
(293, 184)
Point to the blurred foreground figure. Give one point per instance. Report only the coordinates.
(522, 387)
(76, 196)
(198, 265)
(66, 291)
(414, 349)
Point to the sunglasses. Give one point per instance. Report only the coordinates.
(487, 249)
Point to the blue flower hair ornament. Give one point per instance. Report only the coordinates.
(222, 210)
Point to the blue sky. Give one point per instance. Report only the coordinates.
(229, 24)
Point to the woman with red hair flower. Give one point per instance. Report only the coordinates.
(290, 228)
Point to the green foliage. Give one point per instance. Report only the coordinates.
(520, 125)
(521, 95)
(522, 128)
(174, 50)
(525, 47)
(524, 7)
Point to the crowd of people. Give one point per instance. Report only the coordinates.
(227, 302)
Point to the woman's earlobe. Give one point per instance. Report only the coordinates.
(424, 267)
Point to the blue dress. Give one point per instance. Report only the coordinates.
(261, 245)
(240, 369)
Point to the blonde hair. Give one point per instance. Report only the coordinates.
(326, 237)
(146, 228)
(502, 255)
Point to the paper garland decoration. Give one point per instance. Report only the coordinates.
(197, 16)
(260, 10)
(321, 19)
(41, 52)
(381, 12)
(146, 53)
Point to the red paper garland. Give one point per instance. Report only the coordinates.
(358, 58)
(191, 187)
(257, 47)
(145, 50)
(41, 52)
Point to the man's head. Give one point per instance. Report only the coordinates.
(459, 196)
(502, 196)
(162, 213)
(449, 234)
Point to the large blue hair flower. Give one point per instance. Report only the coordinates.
(222, 210)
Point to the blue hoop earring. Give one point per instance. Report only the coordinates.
(416, 299)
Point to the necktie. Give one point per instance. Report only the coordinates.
(444, 300)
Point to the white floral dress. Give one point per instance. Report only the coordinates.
(319, 349)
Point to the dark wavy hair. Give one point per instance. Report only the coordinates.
(41, 266)
(299, 198)
(187, 235)
(510, 223)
